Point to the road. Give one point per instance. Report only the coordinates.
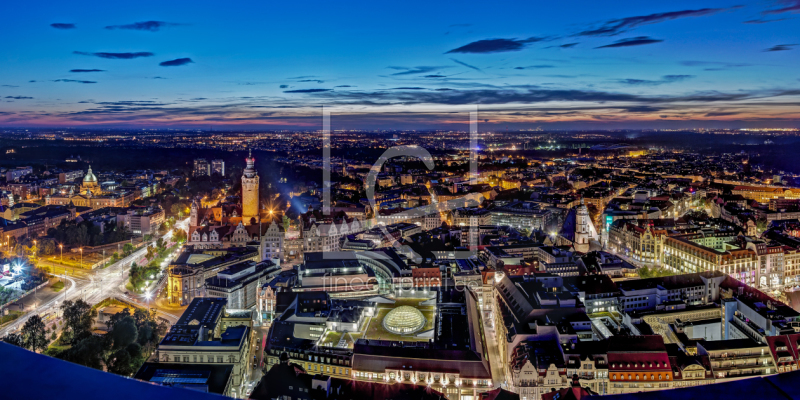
(255, 372)
(495, 359)
(95, 287)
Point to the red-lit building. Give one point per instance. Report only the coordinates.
(784, 349)
(426, 277)
(637, 364)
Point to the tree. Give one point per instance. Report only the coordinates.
(33, 334)
(33, 253)
(15, 339)
(653, 272)
(177, 209)
(123, 332)
(119, 362)
(128, 337)
(152, 252)
(127, 249)
(48, 247)
(125, 361)
(87, 352)
(126, 312)
(180, 236)
(761, 224)
(139, 275)
(160, 244)
(145, 334)
(140, 316)
(78, 319)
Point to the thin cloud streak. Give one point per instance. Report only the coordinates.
(73, 80)
(788, 6)
(466, 65)
(634, 41)
(150, 26)
(63, 26)
(495, 45)
(176, 62)
(116, 56)
(781, 47)
(617, 26)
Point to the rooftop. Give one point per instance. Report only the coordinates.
(212, 378)
(82, 382)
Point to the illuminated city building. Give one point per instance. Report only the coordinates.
(250, 198)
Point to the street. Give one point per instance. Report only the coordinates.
(495, 360)
(93, 287)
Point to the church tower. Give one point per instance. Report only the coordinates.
(250, 191)
(584, 229)
(194, 217)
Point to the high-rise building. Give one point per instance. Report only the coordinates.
(202, 167)
(250, 192)
(218, 167)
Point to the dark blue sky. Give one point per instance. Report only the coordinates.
(572, 64)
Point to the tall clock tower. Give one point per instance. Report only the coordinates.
(250, 191)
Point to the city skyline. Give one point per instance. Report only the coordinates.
(407, 201)
(715, 64)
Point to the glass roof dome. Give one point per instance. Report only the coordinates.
(404, 320)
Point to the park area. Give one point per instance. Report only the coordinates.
(11, 316)
(72, 260)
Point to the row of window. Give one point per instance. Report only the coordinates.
(196, 358)
(636, 365)
(327, 368)
(311, 357)
(631, 377)
(644, 385)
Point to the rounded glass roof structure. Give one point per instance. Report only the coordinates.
(404, 320)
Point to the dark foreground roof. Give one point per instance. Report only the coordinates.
(288, 380)
(27, 375)
(772, 387)
(211, 378)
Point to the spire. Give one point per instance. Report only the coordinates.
(250, 170)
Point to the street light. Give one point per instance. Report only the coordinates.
(81, 250)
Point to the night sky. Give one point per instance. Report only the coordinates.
(400, 65)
